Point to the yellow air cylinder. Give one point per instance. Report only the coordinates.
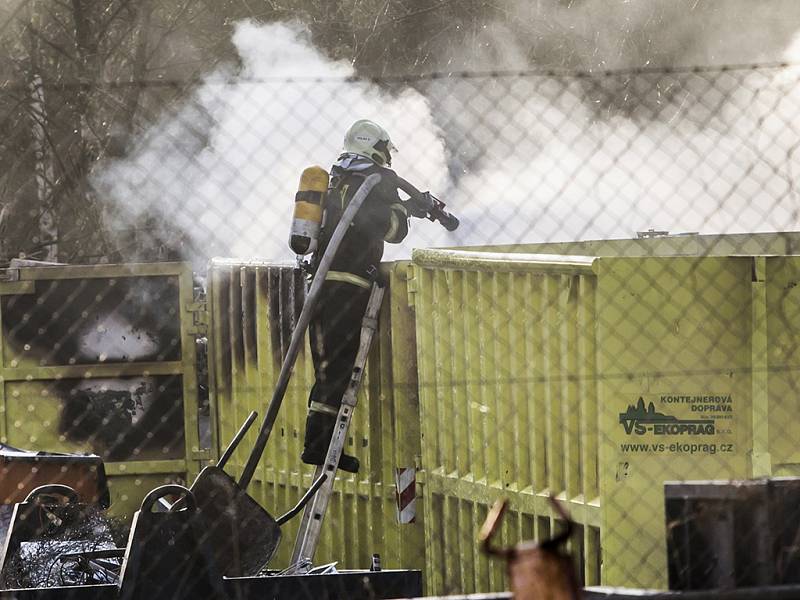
(309, 203)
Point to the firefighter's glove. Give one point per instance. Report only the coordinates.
(420, 206)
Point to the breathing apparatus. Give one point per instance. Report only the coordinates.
(370, 140)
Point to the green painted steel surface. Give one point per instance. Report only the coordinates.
(502, 374)
(58, 348)
(782, 369)
(494, 374)
(669, 330)
(743, 244)
(508, 406)
(711, 344)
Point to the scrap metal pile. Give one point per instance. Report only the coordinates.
(208, 541)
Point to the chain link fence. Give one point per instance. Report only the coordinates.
(617, 310)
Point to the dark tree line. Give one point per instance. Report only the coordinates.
(68, 98)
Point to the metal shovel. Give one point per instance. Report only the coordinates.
(241, 534)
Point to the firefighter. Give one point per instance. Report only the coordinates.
(335, 326)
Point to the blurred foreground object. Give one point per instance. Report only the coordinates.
(732, 534)
(537, 571)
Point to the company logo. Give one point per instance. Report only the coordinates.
(640, 420)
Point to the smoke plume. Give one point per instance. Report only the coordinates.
(620, 34)
(524, 159)
(224, 167)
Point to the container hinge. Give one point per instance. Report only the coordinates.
(199, 313)
(12, 285)
(9, 275)
(412, 286)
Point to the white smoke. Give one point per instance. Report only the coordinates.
(224, 167)
(542, 163)
(621, 34)
(525, 160)
(718, 161)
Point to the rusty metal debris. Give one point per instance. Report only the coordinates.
(50, 522)
(22, 471)
(167, 555)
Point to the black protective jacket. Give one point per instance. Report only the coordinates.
(382, 217)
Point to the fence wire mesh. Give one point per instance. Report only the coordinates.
(618, 309)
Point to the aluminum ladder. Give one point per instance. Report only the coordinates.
(308, 535)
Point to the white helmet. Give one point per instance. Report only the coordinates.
(370, 140)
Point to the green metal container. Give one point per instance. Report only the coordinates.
(508, 374)
(495, 373)
(102, 359)
(508, 405)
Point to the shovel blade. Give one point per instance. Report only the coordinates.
(243, 537)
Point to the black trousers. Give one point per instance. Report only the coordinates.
(335, 333)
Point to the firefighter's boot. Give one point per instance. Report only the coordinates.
(319, 431)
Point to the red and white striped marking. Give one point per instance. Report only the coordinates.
(406, 481)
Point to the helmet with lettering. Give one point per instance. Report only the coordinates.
(370, 140)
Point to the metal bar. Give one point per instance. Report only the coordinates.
(298, 336)
(303, 501)
(518, 369)
(145, 467)
(232, 316)
(308, 534)
(583, 513)
(568, 302)
(214, 353)
(3, 406)
(279, 479)
(553, 387)
(188, 373)
(761, 460)
(502, 262)
(427, 379)
(102, 271)
(91, 371)
(450, 332)
(475, 438)
(537, 386)
(223, 460)
(506, 410)
(14, 288)
(17, 263)
(444, 370)
(266, 371)
(249, 364)
(388, 410)
(587, 377)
